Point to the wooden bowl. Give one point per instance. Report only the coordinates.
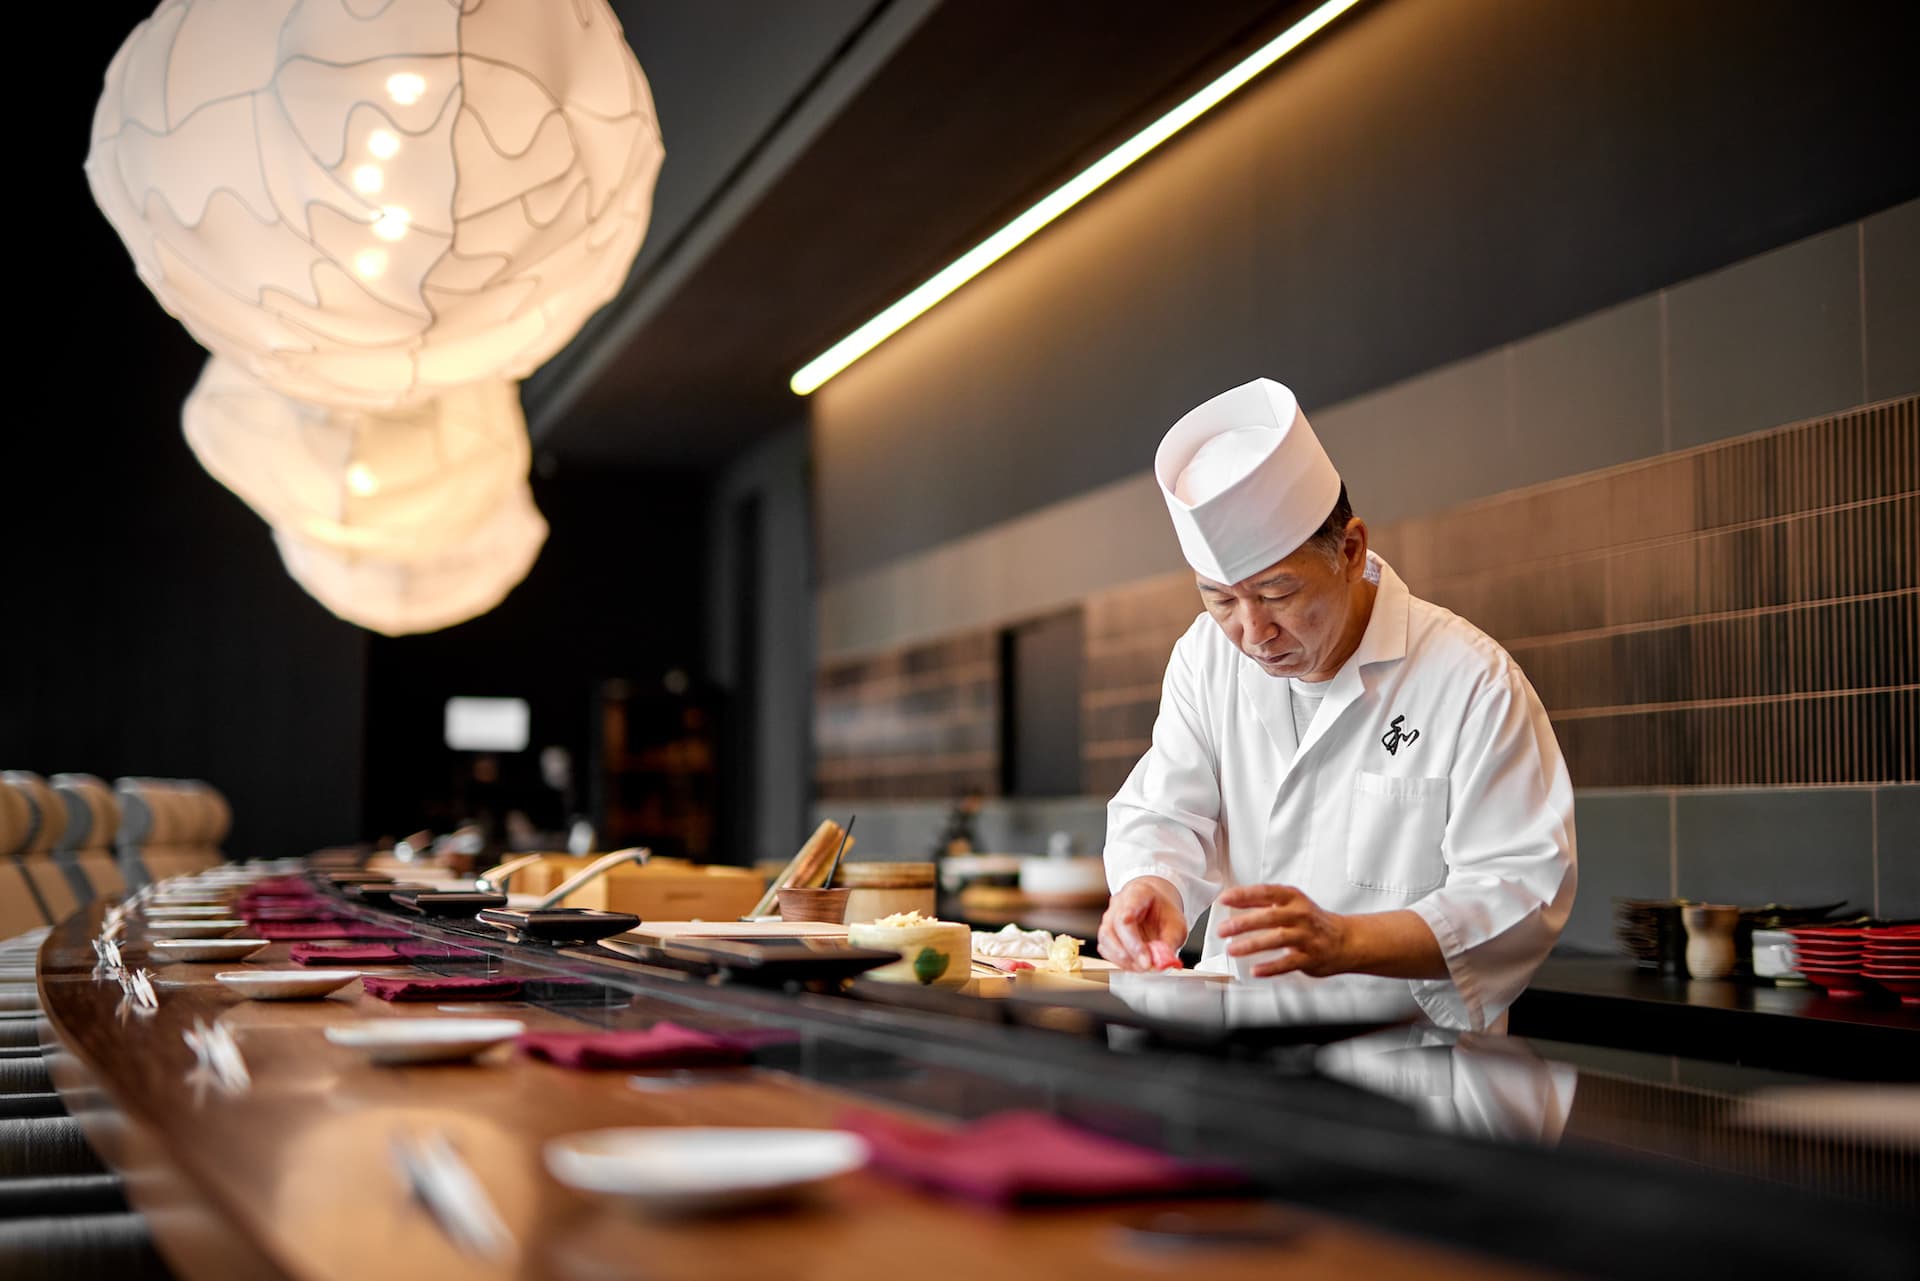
(829, 906)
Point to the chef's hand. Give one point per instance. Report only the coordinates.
(1397, 944)
(1267, 918)
(1146, 911)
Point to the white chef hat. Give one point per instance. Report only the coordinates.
(1245, 480)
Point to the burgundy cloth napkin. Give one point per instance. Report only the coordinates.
(260, 915)
(432, 989)
(281, 885)
(1028, 1156)
(249, 906)
(664, 1045)
(288, 930)
(345, 954)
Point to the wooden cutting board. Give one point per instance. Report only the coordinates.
(656, 932)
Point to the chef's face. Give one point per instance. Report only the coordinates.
(1303, 616)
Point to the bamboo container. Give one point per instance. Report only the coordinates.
(885, 889)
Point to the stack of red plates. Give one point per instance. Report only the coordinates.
(1893, 960)
(1833, 959)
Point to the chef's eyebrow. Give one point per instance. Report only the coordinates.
(1272, 580)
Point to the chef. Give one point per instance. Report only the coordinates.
(1358, 782)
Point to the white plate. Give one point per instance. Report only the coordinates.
(195, 928)
(401, 1040)
(285, 985)
(677, 1170)
(187, 911)
(204, 949)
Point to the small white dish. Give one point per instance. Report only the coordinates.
(401, 1040)
(285, 985)
(195, 928)
(204, 949)
(186, 911)
(679, 1170)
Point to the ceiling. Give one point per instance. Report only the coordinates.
(823, 158)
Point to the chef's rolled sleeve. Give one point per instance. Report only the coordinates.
(1165, 819)
(1509, 848)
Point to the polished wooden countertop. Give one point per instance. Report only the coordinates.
(294, 1177)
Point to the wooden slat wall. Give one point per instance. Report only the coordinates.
(1743, 613)
(1129, 633)
(1743, 1135)
(918, 722)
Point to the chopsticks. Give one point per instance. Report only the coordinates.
(446, 1186)
(845, 833)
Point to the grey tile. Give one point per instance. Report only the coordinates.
(889, 831)
(1768, 341)
(1587, 395)
(1781, 845)
(1892, 270)
(1622, 842)
(1899, 852)
(1423, 444)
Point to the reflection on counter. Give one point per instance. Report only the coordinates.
(1462, 1082)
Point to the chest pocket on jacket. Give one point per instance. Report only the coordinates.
(1394, 833)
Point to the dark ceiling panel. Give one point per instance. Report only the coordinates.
(983, 109)
(722, 71)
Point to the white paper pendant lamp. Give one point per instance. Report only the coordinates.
(398, 598)
(404, 484)
(367, 204)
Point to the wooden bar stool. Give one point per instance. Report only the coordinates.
(19, 909)
(48, 884)
(93, 821)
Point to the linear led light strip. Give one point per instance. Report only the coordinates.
(815, 373)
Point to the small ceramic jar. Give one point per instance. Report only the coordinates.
(937, 953)
(1710, 947)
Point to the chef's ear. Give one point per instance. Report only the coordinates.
(1353, 549)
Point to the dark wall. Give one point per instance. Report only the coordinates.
(154, 631)
(761, 644)
(146, 625)
(161, 635)
(617, 593)
(1424, 182)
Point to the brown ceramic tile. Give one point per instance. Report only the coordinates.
(1649, 605)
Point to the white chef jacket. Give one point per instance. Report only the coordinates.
(1430, 779)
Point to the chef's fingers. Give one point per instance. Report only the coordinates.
(1130, 940)
(1265, 918)
(1284, 965)
(1266, 941)
(1115, 944)
(1259, 895)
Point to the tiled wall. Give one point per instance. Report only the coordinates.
(1745, 613)
(1749, 845)
(1722, 614)
(1130, 631)
(1741, 615)
(917, 722)
(1807, 330)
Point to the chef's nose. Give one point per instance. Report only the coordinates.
(1256, 626)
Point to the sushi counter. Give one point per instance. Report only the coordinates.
(356, 1091)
